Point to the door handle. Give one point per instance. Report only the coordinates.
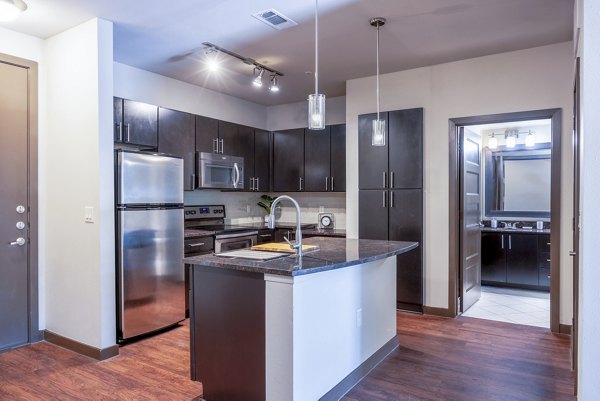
(326, 183)
(384, 179)
(572, 253)
(18, 242)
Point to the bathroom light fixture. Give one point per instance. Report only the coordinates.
(378, 133)
(530, 139)
(493, 142)
(274, 87)
(212, 51)
(258, 80)
(511, 138)
(316, 101)
(11, 9)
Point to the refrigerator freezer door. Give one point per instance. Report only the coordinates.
(145, 178)
(150, 274)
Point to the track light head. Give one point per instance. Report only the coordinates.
(274, 87)
(258, 80)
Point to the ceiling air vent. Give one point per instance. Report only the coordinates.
(274, 19)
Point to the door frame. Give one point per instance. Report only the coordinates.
(454, 201)
(32, 193)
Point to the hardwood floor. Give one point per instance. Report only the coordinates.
(156, 368)
(469, 359)
(461, 359)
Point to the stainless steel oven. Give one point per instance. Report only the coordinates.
(239, 240)
(220, 171)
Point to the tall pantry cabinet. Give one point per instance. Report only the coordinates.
(391, 194)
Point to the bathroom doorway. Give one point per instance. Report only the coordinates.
(505, 217)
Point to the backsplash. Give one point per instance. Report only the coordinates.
(241, 206)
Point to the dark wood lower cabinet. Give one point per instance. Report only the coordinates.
(228, 334)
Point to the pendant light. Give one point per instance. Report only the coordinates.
(316, 101)
(11, 9)
(378, 133)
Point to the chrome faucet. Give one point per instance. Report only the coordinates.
(298, 244)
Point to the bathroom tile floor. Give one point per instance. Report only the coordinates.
(512, 306)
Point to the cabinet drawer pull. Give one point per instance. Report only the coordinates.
(195, 245)
(265, 235)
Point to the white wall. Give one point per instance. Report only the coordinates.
(136, 84)
(294, 115)
(77, 171)
(588, 19)
(529, 79)
(32, 48)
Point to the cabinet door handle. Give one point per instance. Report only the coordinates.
(326, 183)
(502, 241)
(258, 183)
(384, 179)
(216, 145)
(120, 129)
(332, 184)
(547, 260)
(510, 242)
(391, 179)
(391, 198)
(194, 245)
(300, 183)
(127, 132)
(264, 235)
(222, 146)
(251, 183)
(193, 181)
(384, 202)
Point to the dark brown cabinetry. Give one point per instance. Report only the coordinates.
(136, 123)
(325, 159)
(288, 160)
(176, 131)
(207, 134)
(391, 195)
(516, 260)
(260, 180)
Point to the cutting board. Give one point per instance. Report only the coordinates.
(282, 247)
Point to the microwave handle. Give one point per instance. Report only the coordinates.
(236, 179)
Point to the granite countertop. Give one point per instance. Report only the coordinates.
(514, 230)
(325, 232)
(334, 253)
(195, 233)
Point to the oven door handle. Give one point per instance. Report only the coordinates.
(236, 235)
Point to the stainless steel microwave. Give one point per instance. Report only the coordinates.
(220, 171)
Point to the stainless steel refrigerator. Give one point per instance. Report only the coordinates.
(149, 225)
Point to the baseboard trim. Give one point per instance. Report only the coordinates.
(80, 348)
(444, 312)
(565, 329)
(340, 389)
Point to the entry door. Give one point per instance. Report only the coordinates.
(576, 211)
(470, 233)
(13, 204)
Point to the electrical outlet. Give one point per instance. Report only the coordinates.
(89, 214)
(359, 317)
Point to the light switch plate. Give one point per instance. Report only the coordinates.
(89, 214)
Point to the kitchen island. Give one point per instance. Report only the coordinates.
(291, 329)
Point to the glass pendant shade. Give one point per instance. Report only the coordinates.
(493, 143)
(511, 141)
(530, 140)
(316, 111)
(378, 135)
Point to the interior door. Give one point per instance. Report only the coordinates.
(14, 234)
(470, 231)
(576, 219)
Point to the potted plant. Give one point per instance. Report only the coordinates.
(265, 203)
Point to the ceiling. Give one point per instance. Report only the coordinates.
(166, 37)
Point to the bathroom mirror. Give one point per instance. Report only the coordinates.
(517, 181)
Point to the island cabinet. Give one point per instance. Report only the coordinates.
(288, 160)
(176, 136)
(515, 259)
(391, 194)
(136, 123)
(325, 159)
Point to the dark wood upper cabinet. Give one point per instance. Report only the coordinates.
(317, 160)
(288, 160)
(372, 160)
(176, 136)
(262, 160)
(245, 148)
(140, 124)
(228, 139)
(405, 148)
(207, 134)
(338, 158)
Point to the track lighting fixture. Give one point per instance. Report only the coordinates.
(212, 62)
(11, 9)
(257, 81)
